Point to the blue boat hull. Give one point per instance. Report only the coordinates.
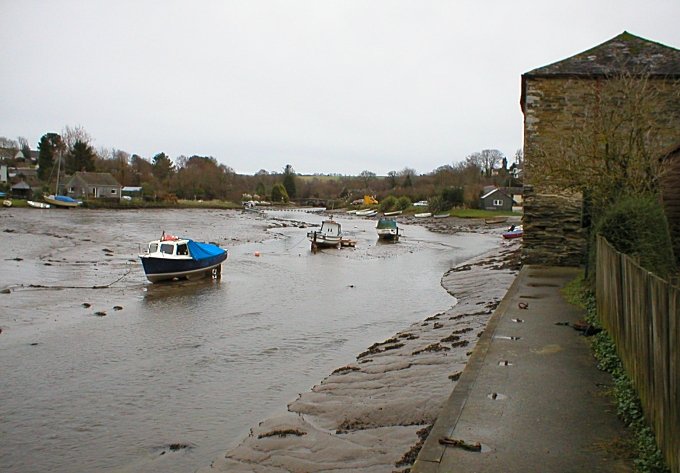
(167, 269)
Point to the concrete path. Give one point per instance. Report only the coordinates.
(531, 394)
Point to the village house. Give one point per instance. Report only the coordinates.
(555, 100)
(496, 199)
(93, 185)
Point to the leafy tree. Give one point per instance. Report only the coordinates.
(260, 189)
(452, 197)
(279, 193)
(80, 158)
(163, 167)
(50, 144)
(142, 170)
(289, 181)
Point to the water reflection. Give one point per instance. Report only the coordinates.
(171, 291)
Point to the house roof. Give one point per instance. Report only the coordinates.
(96, 178)
(623, 53)
(492, 191)
(21, 185)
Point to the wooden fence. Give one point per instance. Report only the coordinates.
(642, 314)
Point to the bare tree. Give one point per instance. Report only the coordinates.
(71, 135)
(617, 147)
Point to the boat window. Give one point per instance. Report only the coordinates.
(182, 249)
(167, 248)
(153, 247)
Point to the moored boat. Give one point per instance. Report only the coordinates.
(423, 215)
(442, 215)
(329, 235)
(61, 201)
(37, 205)
(513, 232)
(387, 229)
(7, 203)
(366, 213)
(393, 213)
(172, 258)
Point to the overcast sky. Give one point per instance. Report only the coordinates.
(327, 86)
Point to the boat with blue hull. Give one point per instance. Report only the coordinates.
(172, 258)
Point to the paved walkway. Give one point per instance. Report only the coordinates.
(530, 394)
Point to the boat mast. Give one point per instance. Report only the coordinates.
(56, 191)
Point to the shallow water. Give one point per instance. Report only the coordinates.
(196, 363)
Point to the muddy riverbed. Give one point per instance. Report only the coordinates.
(103, 371)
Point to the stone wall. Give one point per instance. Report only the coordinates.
(671, 200)
(555, 111)
(553, 233)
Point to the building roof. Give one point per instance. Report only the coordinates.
(21, 185)
(493, 191)
(623, 53)
(96, 178)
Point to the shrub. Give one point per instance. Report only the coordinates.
(637, 226)
(388, 203)
(403, 202)
(279, 193)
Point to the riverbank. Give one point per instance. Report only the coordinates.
(374, 414)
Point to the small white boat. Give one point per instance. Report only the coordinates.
(329, 235)
(351, 212)
(391, 214)
(7, 203)
(423, 215)
(171, 258)
(38, 205)
(442, 215)
(366, 213)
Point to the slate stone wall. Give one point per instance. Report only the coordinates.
(553, 108)
(553, 233)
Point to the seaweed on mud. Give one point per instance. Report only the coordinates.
(409, 457)
(437, 325)
(462, 343)
(409, 336)
(282, 433)
(346, 369)
(433, 347)
(375, 349)
(455, 376)
(450, 338)
(462, 330)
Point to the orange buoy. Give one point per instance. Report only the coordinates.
(257, 253)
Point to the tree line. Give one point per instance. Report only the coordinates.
(203, 177)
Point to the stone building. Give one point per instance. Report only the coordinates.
(95, 185)
(671, 196)
(558, 102)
